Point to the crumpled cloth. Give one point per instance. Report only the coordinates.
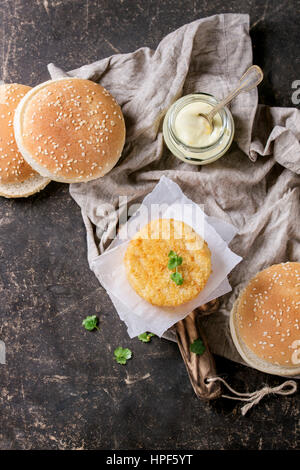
(255, 186)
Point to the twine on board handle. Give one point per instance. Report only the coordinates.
(202, 370)
(286, 388)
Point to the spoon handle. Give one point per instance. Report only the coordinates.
(251, 78)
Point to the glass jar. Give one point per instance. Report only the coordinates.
(198, 155)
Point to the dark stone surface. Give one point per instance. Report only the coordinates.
(61, 388)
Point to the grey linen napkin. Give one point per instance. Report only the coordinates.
(254, 186)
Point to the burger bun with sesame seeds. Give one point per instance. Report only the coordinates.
(17, 177)
(70, 130)
(265, 320)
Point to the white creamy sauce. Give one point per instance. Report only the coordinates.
(194, 130)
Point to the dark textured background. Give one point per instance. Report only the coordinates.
(61, 388)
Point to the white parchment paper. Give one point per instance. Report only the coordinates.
(165, 201)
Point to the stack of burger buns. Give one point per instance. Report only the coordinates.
(69, 130)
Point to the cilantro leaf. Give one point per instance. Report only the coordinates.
(177, 278)
(145, 337)
(198, 346)
(122, 355)
(90, 322)
(171, 254)
(173, 263)
(174, 260)
(179, 260)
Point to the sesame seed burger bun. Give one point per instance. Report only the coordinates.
(70, 130)
(265, 320)
(17, 178)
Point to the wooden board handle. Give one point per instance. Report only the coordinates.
(199, 367)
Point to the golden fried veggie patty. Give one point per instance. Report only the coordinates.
(147, 256)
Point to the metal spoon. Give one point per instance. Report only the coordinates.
(247, 82)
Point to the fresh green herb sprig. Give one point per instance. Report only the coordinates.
(177, 278)
(198, 347)
(174, 260)
(122, 355)
(90, 323)
(173, 263)
(145, 337)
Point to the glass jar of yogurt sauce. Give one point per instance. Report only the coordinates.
(188, 135)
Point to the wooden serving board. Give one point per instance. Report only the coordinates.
(199, 367)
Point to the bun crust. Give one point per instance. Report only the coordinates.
(28, 187)
(70, 130)
(266, 316)
(13, 168)
(146, 262)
